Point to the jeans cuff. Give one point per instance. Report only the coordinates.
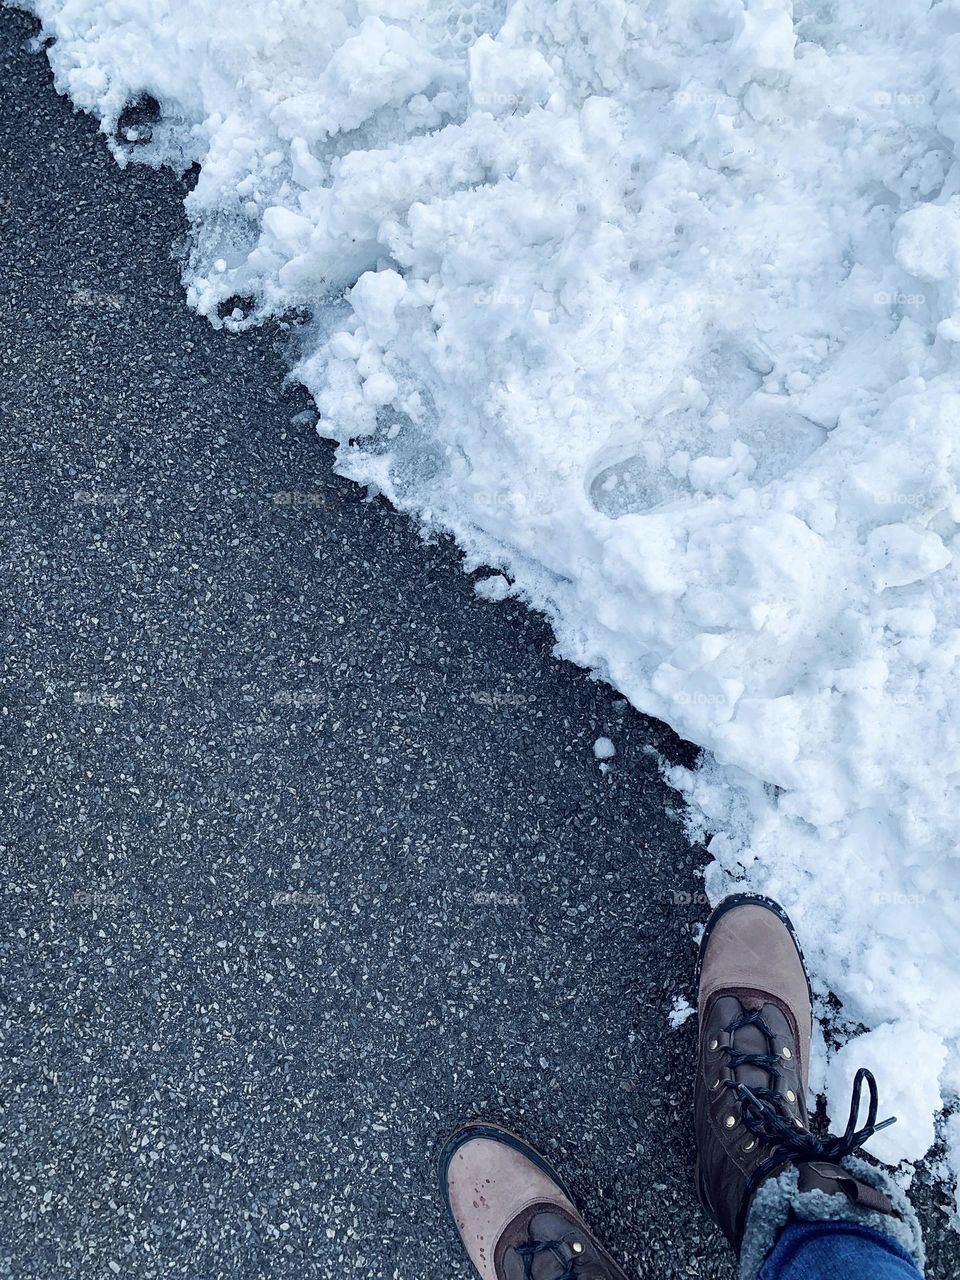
(779, 1200)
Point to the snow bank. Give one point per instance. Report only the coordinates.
(910, 1060)
(655, 306)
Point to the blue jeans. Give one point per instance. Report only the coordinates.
(836, 1251)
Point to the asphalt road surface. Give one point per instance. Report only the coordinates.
(306, 853)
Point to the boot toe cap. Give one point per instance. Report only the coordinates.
(750, 947)
(489, 1182)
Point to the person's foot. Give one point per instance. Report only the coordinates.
(514, 1214)
(750, 1110)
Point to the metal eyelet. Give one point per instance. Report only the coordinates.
(791, 1096)
(785, 1052)
(748, 1146)
(577, 1246)
(798, 1123)
(716, 1084)
(713, 1045)
(730, 1121)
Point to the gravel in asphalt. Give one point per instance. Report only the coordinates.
(307, 854)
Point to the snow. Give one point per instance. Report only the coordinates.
(495, 587)
(680, 1011)
(655, 308)
(603, 749)
(952, 1143)
(910, 1059)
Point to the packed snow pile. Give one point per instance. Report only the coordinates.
(655, 306)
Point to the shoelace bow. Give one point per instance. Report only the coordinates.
(763, 1109)
(530, 1251)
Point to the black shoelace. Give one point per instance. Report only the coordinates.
(765, 1115)
(532, 1250)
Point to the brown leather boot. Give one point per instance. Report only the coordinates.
(750, 1096)
(515, 1215)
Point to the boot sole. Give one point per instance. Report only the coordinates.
(493, 1133)
(754, 900)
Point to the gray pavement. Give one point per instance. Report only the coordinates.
(306, 854)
